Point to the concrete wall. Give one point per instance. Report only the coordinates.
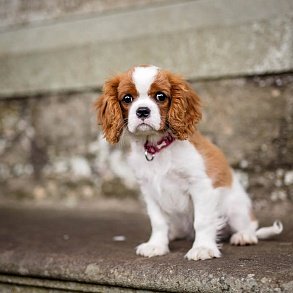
(55, 56)
(200, 39)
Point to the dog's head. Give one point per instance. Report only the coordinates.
(146, 100)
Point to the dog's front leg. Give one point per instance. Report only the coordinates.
(205, 201)
(158, 242)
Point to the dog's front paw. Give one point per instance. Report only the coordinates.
(203, 252)
(243, 238)
(151, 249)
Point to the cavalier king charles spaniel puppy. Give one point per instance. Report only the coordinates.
(186, 182)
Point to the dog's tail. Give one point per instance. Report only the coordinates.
(271, 231)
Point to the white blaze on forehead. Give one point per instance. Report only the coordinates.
(143, 77)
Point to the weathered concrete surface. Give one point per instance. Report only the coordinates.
(16, 284)
(200, 39)
(49, 148)
(24, 12)
(77, 246)
(250, 119)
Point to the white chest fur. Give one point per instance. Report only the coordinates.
(181, 199)
(168, 176)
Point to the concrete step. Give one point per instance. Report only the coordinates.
(43, 250)
(191, 37)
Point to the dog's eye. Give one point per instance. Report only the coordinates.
(160, 97)
(127, 99)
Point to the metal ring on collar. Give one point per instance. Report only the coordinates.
(149, 157)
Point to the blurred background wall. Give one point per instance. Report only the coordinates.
(55, 56)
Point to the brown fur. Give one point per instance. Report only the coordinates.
(162, 84)
(217, 166)
(180, 112)
(185, 109)
(111, 112)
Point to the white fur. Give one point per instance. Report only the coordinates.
(143, 77)
(180, 197)
(267, 232)
(180, 200)
(151, 123)
(175, 186)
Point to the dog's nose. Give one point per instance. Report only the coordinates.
(143, 112)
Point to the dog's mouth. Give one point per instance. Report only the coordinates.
(144, 127)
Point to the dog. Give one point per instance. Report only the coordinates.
(186, 182)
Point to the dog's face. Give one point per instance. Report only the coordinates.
(146, 100)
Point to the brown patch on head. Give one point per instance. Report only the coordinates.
(216, 164)
(185, 109)
(126, 87)
(181, 111)
(161, 84)
(111, 112)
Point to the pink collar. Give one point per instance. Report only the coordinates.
(151, 149)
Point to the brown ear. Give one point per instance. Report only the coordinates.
(185, 109)
(109, 113)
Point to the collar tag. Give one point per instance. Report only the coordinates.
(151, 149)
(149, 157)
